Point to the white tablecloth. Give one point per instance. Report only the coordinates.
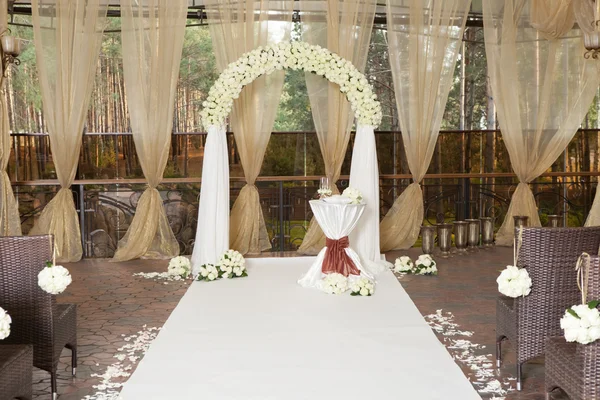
(337, 220)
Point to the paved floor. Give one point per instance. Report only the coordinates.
(113, 304)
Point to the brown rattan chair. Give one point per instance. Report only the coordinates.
(37, 318)
(573, 367)
(16, 365)
(550, 256)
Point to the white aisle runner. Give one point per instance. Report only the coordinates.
(266, 338)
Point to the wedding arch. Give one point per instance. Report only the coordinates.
(212, 235)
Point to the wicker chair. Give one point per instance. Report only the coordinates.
(37, 318)
(16, 365)
(573, 367)
(550, 256)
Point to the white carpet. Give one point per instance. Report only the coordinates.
(266, 338)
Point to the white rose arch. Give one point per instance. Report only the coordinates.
(212, 235)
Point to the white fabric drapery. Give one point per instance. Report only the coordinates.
(237, 27)
(212, 233)
(67, 37)
(364, 176)
(152, 34)
(542, 90)
(343, 27)
(336, 221)
(424, 40)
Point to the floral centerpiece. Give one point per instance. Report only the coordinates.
(296, 56)
(425, 265)
(54, 279)
(362, 287)
(5, 322)
(334, 284)
(404, 265)
(581, 323)
(354, 195)
(180, 266)
(232, 265)
(514, 282)
(208, 272)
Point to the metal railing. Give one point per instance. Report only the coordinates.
(106, 208)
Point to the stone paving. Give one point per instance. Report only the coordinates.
(113, 304)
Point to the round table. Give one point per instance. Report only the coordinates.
(337, 218)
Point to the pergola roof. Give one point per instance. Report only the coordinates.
(196, 10)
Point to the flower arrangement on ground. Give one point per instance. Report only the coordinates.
(581, 323)
(208, 272)
(362, 287)
(354, 195)
(334, 284)
(404, 265)
(514, 282)
(232, 265)
(5, 322)
(296, 56)
(54, 279)
(180, 266)
(425, 265)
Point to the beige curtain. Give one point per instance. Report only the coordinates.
(552, 18)
(67, 37)
(585, 13)
(344, 27)
(10, 224)
(542, 90)
(424, 40)
(237, 27)
(152, 35)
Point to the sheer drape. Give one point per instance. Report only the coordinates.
(424, 39)
(152, 35)
(542, 90)
(67, 37)
(237, 27)
(343, 27)
(10, 224)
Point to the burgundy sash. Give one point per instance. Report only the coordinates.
(336, 259)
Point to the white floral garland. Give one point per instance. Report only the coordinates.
(296, 56)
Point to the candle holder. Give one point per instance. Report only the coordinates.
(460, 236)
(473, 230)
(444, 234)
(487, 231)
(554, 221)
(520, 220)
(10, 49)
(427, 239)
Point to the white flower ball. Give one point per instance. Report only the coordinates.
(5, 322)
(54, 279)
(514, 282)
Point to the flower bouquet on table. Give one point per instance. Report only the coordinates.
(180, 266)
(514, 282)
(334, 283)
(5, 322)
(354, 195)
(363, 287)
(425, 265)
(54, 279)
(404, 265)
(581, 323)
